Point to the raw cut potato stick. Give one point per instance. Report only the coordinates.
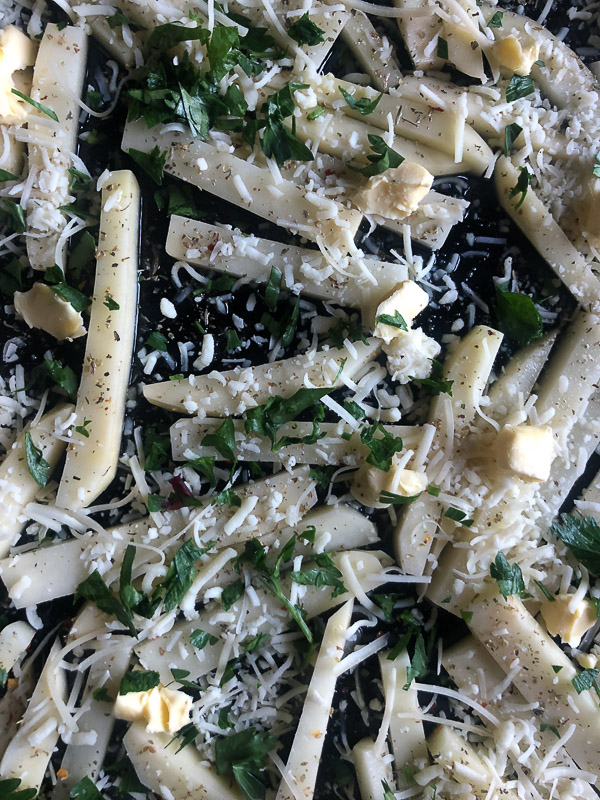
(187, 435)
(87, 759)
(225, 525)
(221, 248)
(247, 185)
(268, 616)
(110, 38)
(18, 487)
(57, 83)
(406, 734)
(222, 394)
(468, 367)
(372, 768)
(299, 778)
(418, 31)
(518, 377)
(433, 220)
(31, 748)
(183, 774)
(14, 641)
(509, 631)
(91, 463)
(433, 127)
(537, 223)
(461, 761)
(374, 53)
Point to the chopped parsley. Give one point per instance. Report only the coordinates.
(44, 109)
(200, 639)
(324, 573)
(55, 278)
(277, 411)
(586, 679)
(381, 159)
(519, 86)
(517, 316)
(582, 536)
(496, 20)
(139, 680)
(364, 106)
(520, 187)
(397, 499)
(442, 48)
(457, 515)
(382, 448)
(38, 467)
(596, 167)
(153, 163)
(83, 428)
(511, 134)
(242, 755)
(157, 341)
(396, 321)
(223, 440)
(436, 383)
(111, 303)
(304, 31)
(509, 578)
(85, 789)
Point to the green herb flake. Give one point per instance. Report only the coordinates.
(364, 106)
(62, 376)
(94, 589)
(436, 384)
(381, 159)
(548, 595)
(315, 113)
(556, 669)
(233, 341)
(519, 86)
(83, 428)
(152, 163)
(39, 469)
(111, 304)
(396, 321)
(442, 48)
(511, 134)
(388, 794)
(256, 643)
(323, 573)
(243, 755)
(139, 680)
(520, 187)
(467, 616)
(586, 679)
(5, 175)
(12, 215)
(223, 440)
(456, 515)
(509, 578)
(304, 31)
(200, 639)
(545, 727)
(517, 316)
(496, 20)
(397, 499)
(44, 109)
(102, 696)
(223, 720)
(231, 594)
(157, 449)
(582, 536)
(86, 789)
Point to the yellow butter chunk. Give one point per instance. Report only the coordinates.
(164, 710)
(396, 193)
(408, 299)
(17, 52)
(42, 308)
(570, 626)
(369, 482)
(516, 56)
(526, 450)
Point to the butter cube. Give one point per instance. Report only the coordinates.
(515, 55)
(396, 193)
(526, 450)
(408, 299)
(369, 482)
(17, 52)
(164, 710)
(569, 625)
(41, 308)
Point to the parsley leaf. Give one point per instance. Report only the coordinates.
(205, 465)
(364, 106)
(268, 418)
(325, 573)
(457, 515)
(11, 277)
(85, 789)
(9, 787)
(157, 341)
(111, 303)
(83, 429)
(323, 475)
(398, 499)
(273, 288)
(139, 680)
(256, 643)
(586, 679)
(223, 440)
(519, 86)
(442, 48)
(243, 755)
(387, 792)
(496, 20)
(55, 278)
(164, 37)
(62, 376)
(436, 383)
(152, 163)
(39, 469)
(582, 536)
(5, 175)
(231, 594)
(200, 639)
(82, 255)
(130, 597)
(35, 104)
(517, 316)
(181, 573)
(521, 187)
(596, 167)
(12, 215)
(101, 695)
(304, 31)
(157, 449)
(510, 578)
(94, 589)
(397, 321)
(382, 448)
(382, 158)
(511, 133)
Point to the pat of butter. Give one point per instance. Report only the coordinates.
(17, 51)
(569, 625)
(396, 193)
(516, 56)
(408, 299)
(526, 450)
(41, 308)
(164, 710)
(369, 482)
